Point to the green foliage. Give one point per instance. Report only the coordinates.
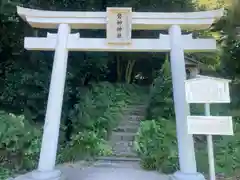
(19, 143)
(98, 108)
(226, 150)
(157, 145)
(229, 42)
(5, 173)
(228, 28)
(83, 145)
(161, 98)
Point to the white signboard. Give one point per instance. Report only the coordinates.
(210, 125)
(119, 25)
(207, 90)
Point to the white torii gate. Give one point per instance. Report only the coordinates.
(117, 40)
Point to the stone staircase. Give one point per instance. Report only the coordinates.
(122, 137)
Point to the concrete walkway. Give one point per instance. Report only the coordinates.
(106, 171)
(111, 171)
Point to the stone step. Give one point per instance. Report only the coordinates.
(131, 112)
(137, 106)
(118, 162)
(127, 128)
(129, 123)
(132, 119)
(125, 146)
(134, 110)
(125, 154)
(118, 159)
(135, 118)
(122, 136)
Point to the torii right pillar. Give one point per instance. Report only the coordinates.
(187, 162)
(186, 153)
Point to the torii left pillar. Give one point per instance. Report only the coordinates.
(46, 167)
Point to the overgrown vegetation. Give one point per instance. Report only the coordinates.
(19, 144)
(98, 110)
(161, 99)
(226, 149)
(156, 140)
(157, 145)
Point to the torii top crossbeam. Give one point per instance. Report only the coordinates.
(140, 20)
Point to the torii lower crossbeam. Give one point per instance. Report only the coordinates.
(137, 45)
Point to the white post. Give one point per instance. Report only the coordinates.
(54, 105)
(210, 148)
(185, 141)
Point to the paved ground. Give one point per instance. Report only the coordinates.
(107, 171)
(111, 171)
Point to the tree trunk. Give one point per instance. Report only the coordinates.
(119, 68)
(129, 71)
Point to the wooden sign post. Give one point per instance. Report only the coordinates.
(207, 90)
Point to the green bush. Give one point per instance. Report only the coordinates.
(5, 173)
(19, 143)
(83, 145)
(161, 98)
(226, 151)
(156, 145)
(99, 108)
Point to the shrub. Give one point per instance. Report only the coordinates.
(226, 152)
(156, 145)
(161, 98)
(19, 143)
(5, 173)
(98, 109)
(83, 145)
